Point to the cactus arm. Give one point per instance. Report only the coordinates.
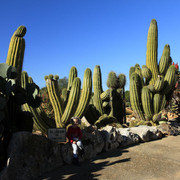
(15, 54)
(72, 101)
(51, 87)
(169, 79)
(85, 94)
(72, 76)
(146, 97)
(97, 85)
(151, 53)
(135, 96)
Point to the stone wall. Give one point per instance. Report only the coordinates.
(31, 155)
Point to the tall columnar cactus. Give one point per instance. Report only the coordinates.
(122, 83)
(52, 87)
(147, 100)
(76, 104)
(72, 76)
(132, 69)
(152, 50)
(113, 84)
(73, 101)
(97, 86)
(85, 94)
(135, 95)
(165, 60)
(15, 54)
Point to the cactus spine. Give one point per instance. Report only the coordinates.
(151, 53)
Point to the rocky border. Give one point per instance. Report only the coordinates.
(32, 155)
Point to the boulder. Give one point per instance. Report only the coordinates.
(128, 137)
(92, 141)
(30, 156)
(112, 138)
(146, 133)
(169, 130)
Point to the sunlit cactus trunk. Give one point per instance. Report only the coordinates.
(152, 50)
(16, 50)
(97, 86)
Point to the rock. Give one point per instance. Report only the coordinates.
(112, 138)
(30, 156)
(169, 130)
(85, 122)
(146, 133)
(92, 141)
(67, 153)
(129, 138)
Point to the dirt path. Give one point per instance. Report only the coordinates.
(155, 160)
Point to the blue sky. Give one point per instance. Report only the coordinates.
(84, 33)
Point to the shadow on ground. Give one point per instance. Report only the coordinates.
(87, 168)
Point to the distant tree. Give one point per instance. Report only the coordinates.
(63, 83)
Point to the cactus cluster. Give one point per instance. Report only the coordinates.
(152, 85)
(109, 104)
(73, 101)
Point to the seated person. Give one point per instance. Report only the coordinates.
(74, 134)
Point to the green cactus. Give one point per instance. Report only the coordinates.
(122, 83)
(146, 73)
(159, 83)
(157, 102)
(132, 69)
(75, 106)
(104, 120)
(122, 80)
(164, 61)
(105, 95)
(146, 97)
(97, 86)
(169, 80)
(163, 102)
(72, 76)
(138, 71)
(135, 95)
(85, 94)
(40, 119)
(15, 54)
(113, 84)
(151, 53)
(53, 91)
